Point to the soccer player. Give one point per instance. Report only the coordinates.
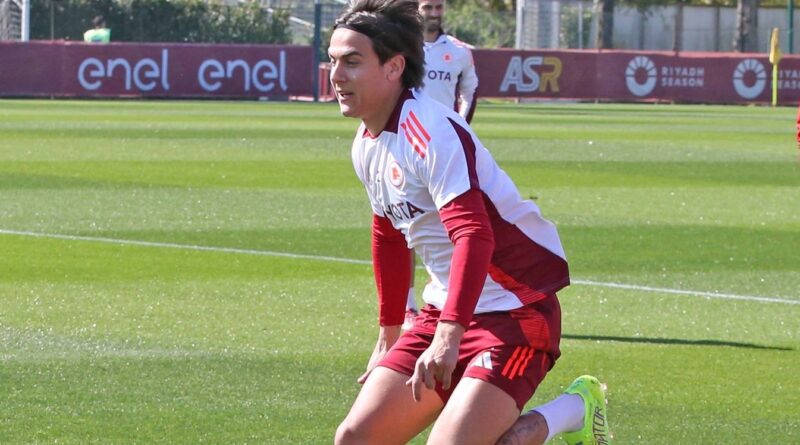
(99, 32)
(798, 134)
(491, 326)
(450, 75)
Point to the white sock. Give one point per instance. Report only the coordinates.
(564, 413)
(412, 301)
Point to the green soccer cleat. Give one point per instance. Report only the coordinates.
(595, 421)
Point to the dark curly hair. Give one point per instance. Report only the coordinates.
(394, 27)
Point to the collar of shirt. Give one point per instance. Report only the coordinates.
(441, 40)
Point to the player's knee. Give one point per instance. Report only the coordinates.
(349, 433)
(343, 434)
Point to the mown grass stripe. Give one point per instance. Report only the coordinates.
(636, 287)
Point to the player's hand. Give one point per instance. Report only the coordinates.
(387, 336)
(438, 361)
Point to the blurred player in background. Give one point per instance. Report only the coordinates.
(99, 32)
(798, 135)
(450, 78)
(491, 326)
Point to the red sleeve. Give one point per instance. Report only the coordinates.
(390, 262)
(468, 226)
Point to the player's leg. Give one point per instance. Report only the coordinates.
(385, 412)
(512, 354)
(507, 357)
(579, 413)
(478, 413)
(529, 429)
(539, 425)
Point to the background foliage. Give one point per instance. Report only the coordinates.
(491, 23)
(511, 5)
(480, 26)
(161, 21)
(482, 23)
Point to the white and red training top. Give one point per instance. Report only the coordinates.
(450, 69)
(435, 188)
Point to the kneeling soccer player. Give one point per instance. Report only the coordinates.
(491, 326)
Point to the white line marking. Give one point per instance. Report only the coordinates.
(366, 262)
(79, 353)
(181, 246)
(693, 293)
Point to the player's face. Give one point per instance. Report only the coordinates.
(432, 12)
(363, 86)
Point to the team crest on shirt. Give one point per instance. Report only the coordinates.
(396, 176)
(447, 57)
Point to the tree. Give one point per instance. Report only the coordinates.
(484, 28)
(486, 5)
(214, 21)
(745, 39)
(605, 22)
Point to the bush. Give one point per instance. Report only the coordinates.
(162, 21)
(480, 27)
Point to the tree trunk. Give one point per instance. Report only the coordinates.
(745, 39)
(677, 36)
(605, 23)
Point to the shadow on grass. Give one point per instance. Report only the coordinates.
(674, 341)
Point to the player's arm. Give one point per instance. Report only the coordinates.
(469, 229)
(468, 90)
(390, 261)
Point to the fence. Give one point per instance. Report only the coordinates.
(302, 21)
(572, 24)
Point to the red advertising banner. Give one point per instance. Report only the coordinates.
(72, 69)
(637, 76)
(154, 70)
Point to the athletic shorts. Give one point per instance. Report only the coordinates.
(512, 350)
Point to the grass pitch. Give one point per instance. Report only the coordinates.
(173, 272)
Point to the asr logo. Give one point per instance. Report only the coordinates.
(532, 74)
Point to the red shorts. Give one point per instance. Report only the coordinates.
(512, 350)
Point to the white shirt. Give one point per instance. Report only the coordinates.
(425, 157)
(449, 66)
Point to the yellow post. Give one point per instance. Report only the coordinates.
(774, 58)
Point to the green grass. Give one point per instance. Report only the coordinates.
(105, 342)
